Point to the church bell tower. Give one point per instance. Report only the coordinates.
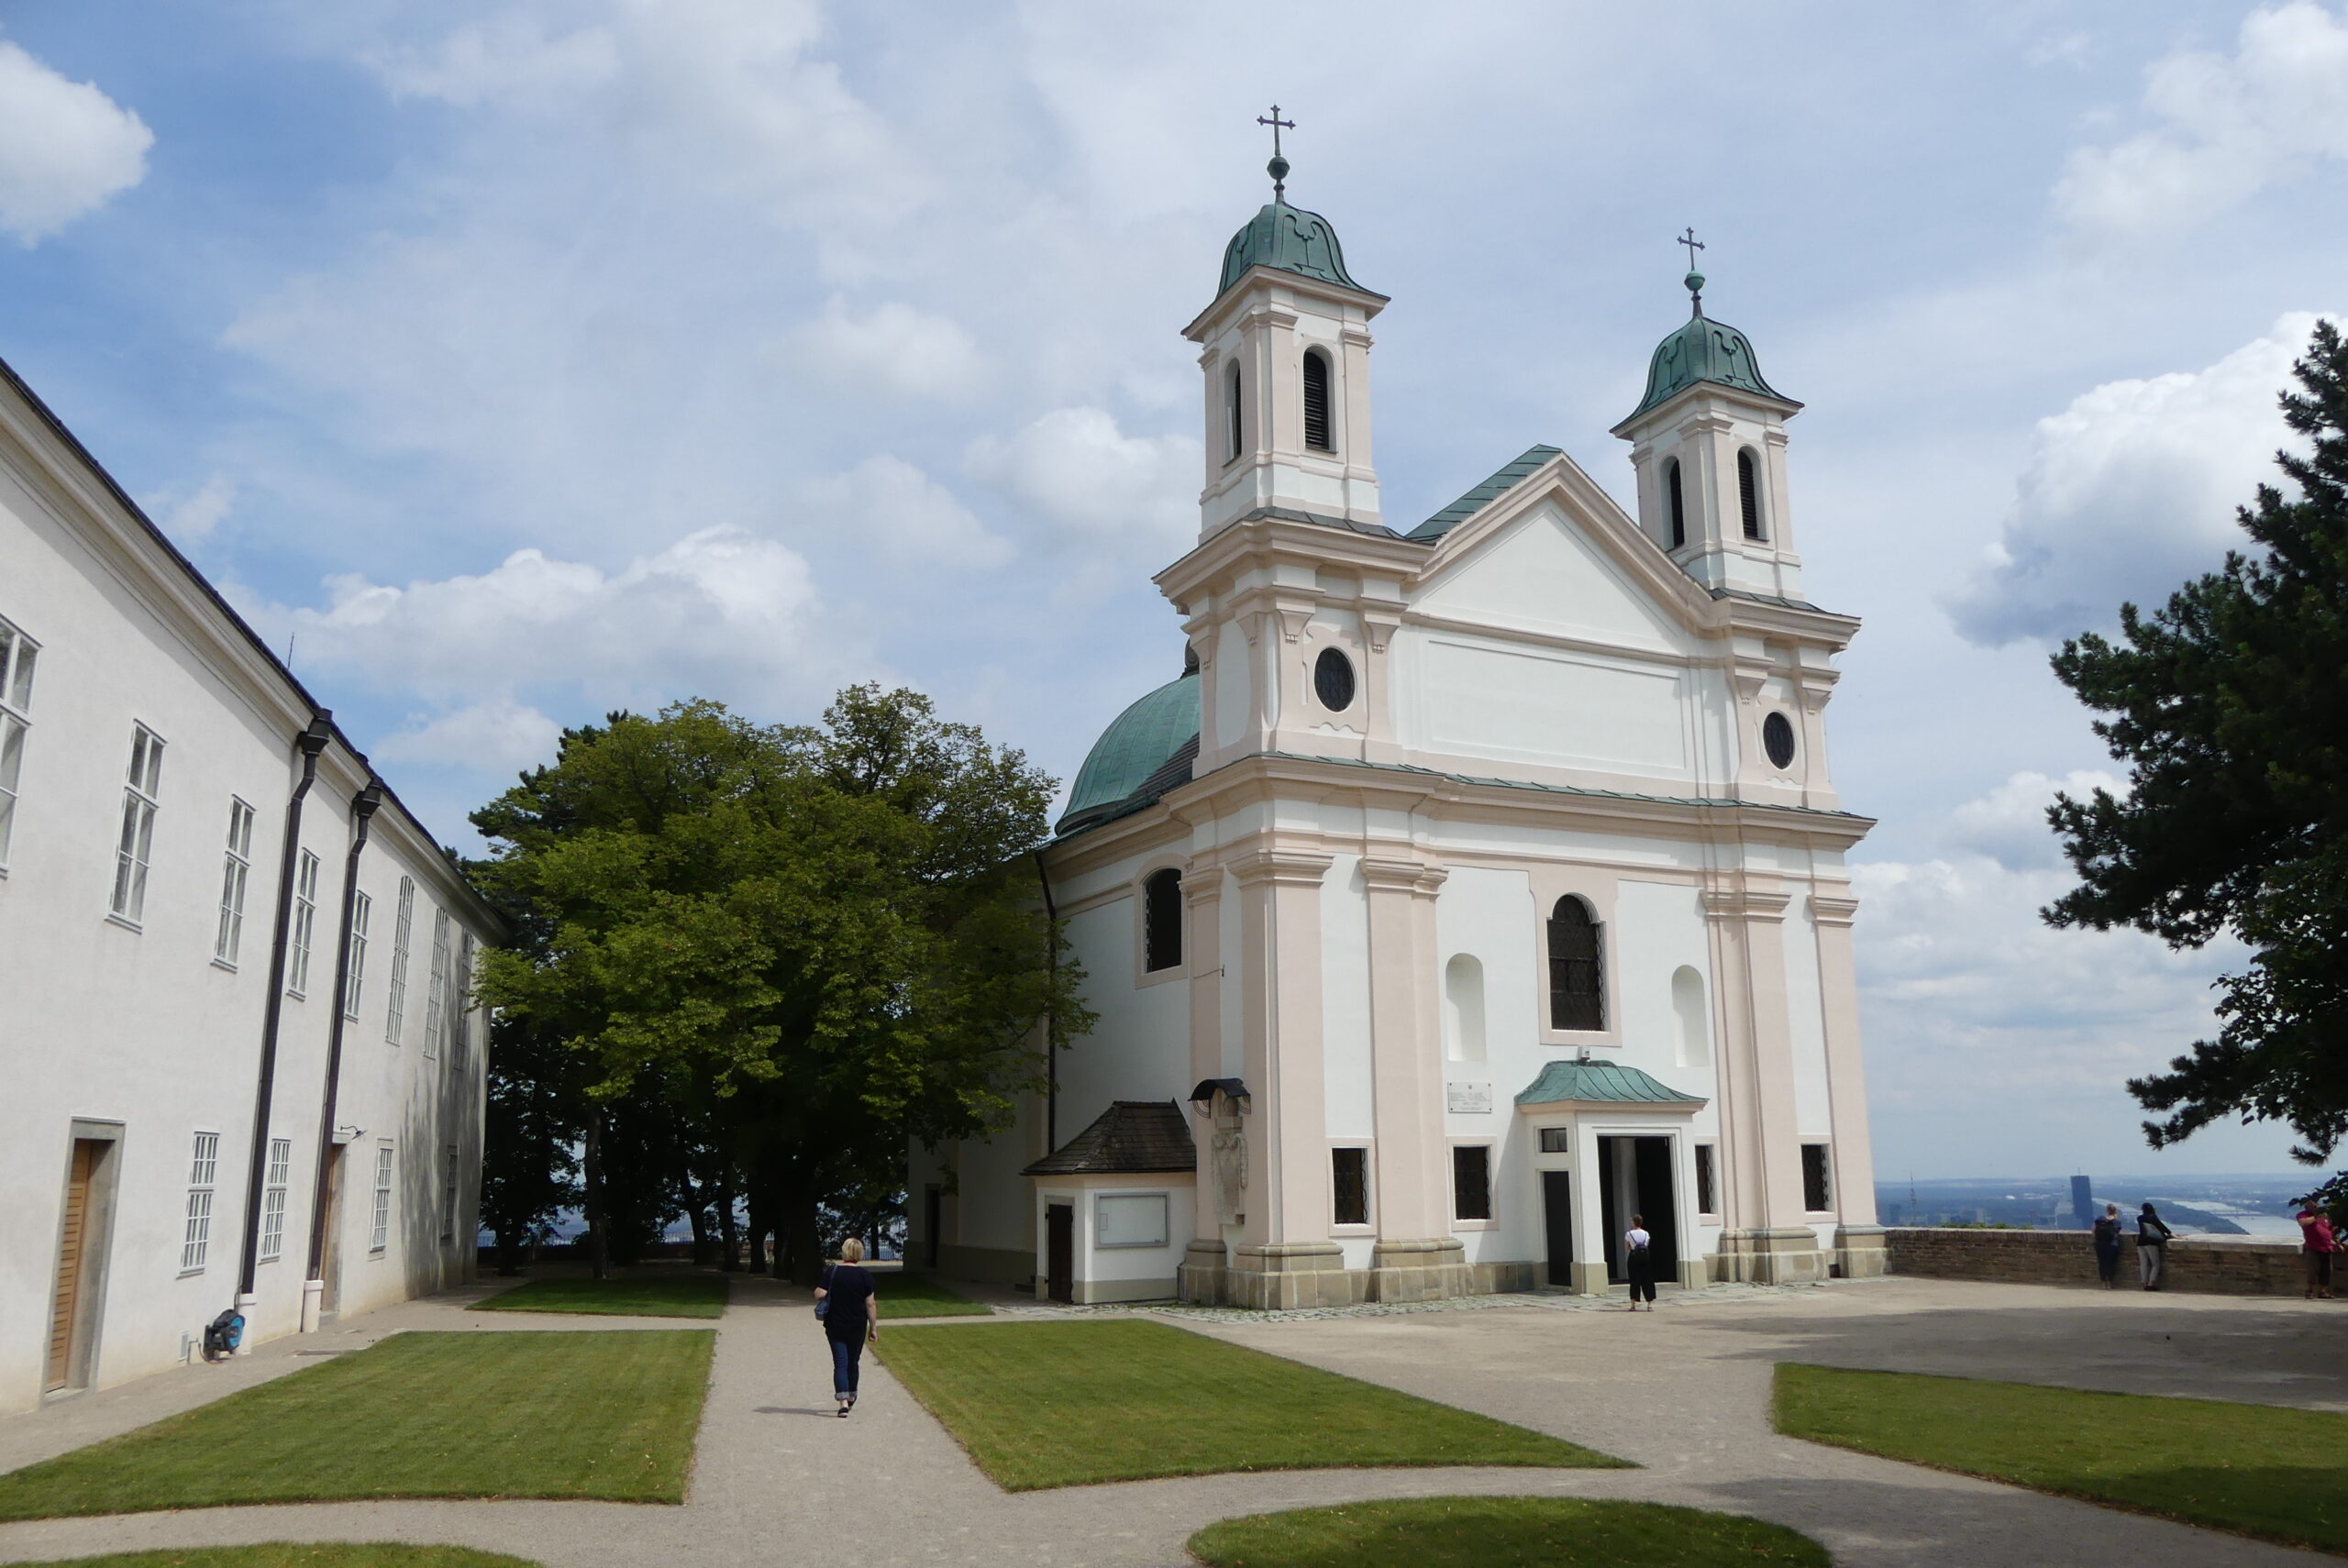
(1284, 357)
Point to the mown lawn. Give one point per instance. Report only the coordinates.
(607, 1415)
(2255, 1469)
(1501, 1532)
(649, 1296)
(1069, 1404)
(919, 1295)
(303, 1554)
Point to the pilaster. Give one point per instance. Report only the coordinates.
(1415, 1257)
(1766, 1239)
(1858, 1241)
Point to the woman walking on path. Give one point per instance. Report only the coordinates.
(2317, 1243)
(2151, 1244)
(851, 1317)
(1639, 1262)
(2107, 1246)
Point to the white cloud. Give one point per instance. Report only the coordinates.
(497, 734)
(192, 515)
(2232, 127)
(894, 347)
(1086, 479)
(903, 516)
(505, 57)
(2131, 491)
(2008, 825)
(65, 148)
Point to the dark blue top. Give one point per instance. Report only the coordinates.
(844, 1311)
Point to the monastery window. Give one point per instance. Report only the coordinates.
(234, 875)
(1678, 502)
(1161, 920)
(1556, 1140)
(1316, 401)
(306, 924)
(436, 999)
(1349, 1187)
(355, 961)
(1236, 424)
(1748, 491)
(1577, 979)
(1333, 680)
(402, 923)
(203, 1169)
(272, 1199)
(1471, 1181)
(1463, 1008)
(140, 786)
(1778, 740)
(379, 1231)
(1707, 1188)
(1817, 1182)
(17, 654)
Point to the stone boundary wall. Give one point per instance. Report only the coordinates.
(2221, 1266)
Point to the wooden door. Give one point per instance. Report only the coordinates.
(73, 1263)
(1059, 1252)
(1557, 1210)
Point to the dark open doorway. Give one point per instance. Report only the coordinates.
(1557, 1215)
(1634, 1176)
(1059, 1252)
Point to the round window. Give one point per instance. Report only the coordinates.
(1778, 740)
(1333, 680)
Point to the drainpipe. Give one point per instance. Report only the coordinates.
(1051, 1044)
(363, 807)
(311, 743)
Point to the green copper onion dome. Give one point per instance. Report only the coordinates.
(1289, 239)
(1703, 350)
(1137, 744)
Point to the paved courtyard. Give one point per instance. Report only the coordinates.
(1683, 1391)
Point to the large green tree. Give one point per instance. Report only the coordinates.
(819, 941)
(2230, 706)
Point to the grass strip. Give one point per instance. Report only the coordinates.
(1069, 1404)
(1501, 1532)
(2261, 1469)
(609, 1414)
(303, 1554)
(654, 1295)
(919, 1295)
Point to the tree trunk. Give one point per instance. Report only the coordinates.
(725, 1237)
(802, 1237)
(598, 1227)
(758, 1229)
(699, 1215)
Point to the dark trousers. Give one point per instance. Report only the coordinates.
(2107, 1263)
(847, 1359)
(1641, 1268)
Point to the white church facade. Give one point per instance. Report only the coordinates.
(1478, 884)
(242, 1068)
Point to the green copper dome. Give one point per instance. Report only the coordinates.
(1137, 745)
(1291, 239)
(1703, 350)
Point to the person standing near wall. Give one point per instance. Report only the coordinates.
(2317, 1243)
(1638, 1259)
(2151, 1244)
(2107, 1246)
(851, 1317)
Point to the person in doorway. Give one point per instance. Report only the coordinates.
(2107, 1246)
(1638, 1260)
(2317, 1243)
(851, 1315)
(2152, 1246)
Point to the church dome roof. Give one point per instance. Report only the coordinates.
(1134, 761)
(1703, 350)
(1291, 240)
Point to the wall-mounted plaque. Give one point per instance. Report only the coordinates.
(1469, 1099)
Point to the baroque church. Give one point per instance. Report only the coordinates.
(1478, 883)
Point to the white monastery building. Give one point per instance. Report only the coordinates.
(208, 899)
(1476, 885)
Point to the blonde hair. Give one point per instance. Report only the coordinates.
(851, 1251)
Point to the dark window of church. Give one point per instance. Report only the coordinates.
(1679, 503)
(1748, 491)
(1471, 1181)
(1817, 1191)
(1316, 401)
(1778, 740)
(1576, 989)
(1707, 1192)
(1231, 411)
(1556, 1140)
(1349, 1179)
(1333, 680)
(1161, 920)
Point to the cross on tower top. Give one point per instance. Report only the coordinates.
(1278, 167)
(1695, 279)
(1693, 245)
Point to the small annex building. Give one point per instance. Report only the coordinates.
(245, 1071)
(1475, 884)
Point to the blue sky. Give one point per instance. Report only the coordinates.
(516, 361)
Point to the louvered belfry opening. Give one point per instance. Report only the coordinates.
(1748, 492)
(1576, 999)
(1316, 401)
(1161, 929)
(1679, 503)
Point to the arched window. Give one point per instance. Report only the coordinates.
(1161, 920)
(1333, 680)
(1236, 424)
(1463, 1009)
(1316, 401)
(1748, 491)
(1576, 999)
(1679, 502)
